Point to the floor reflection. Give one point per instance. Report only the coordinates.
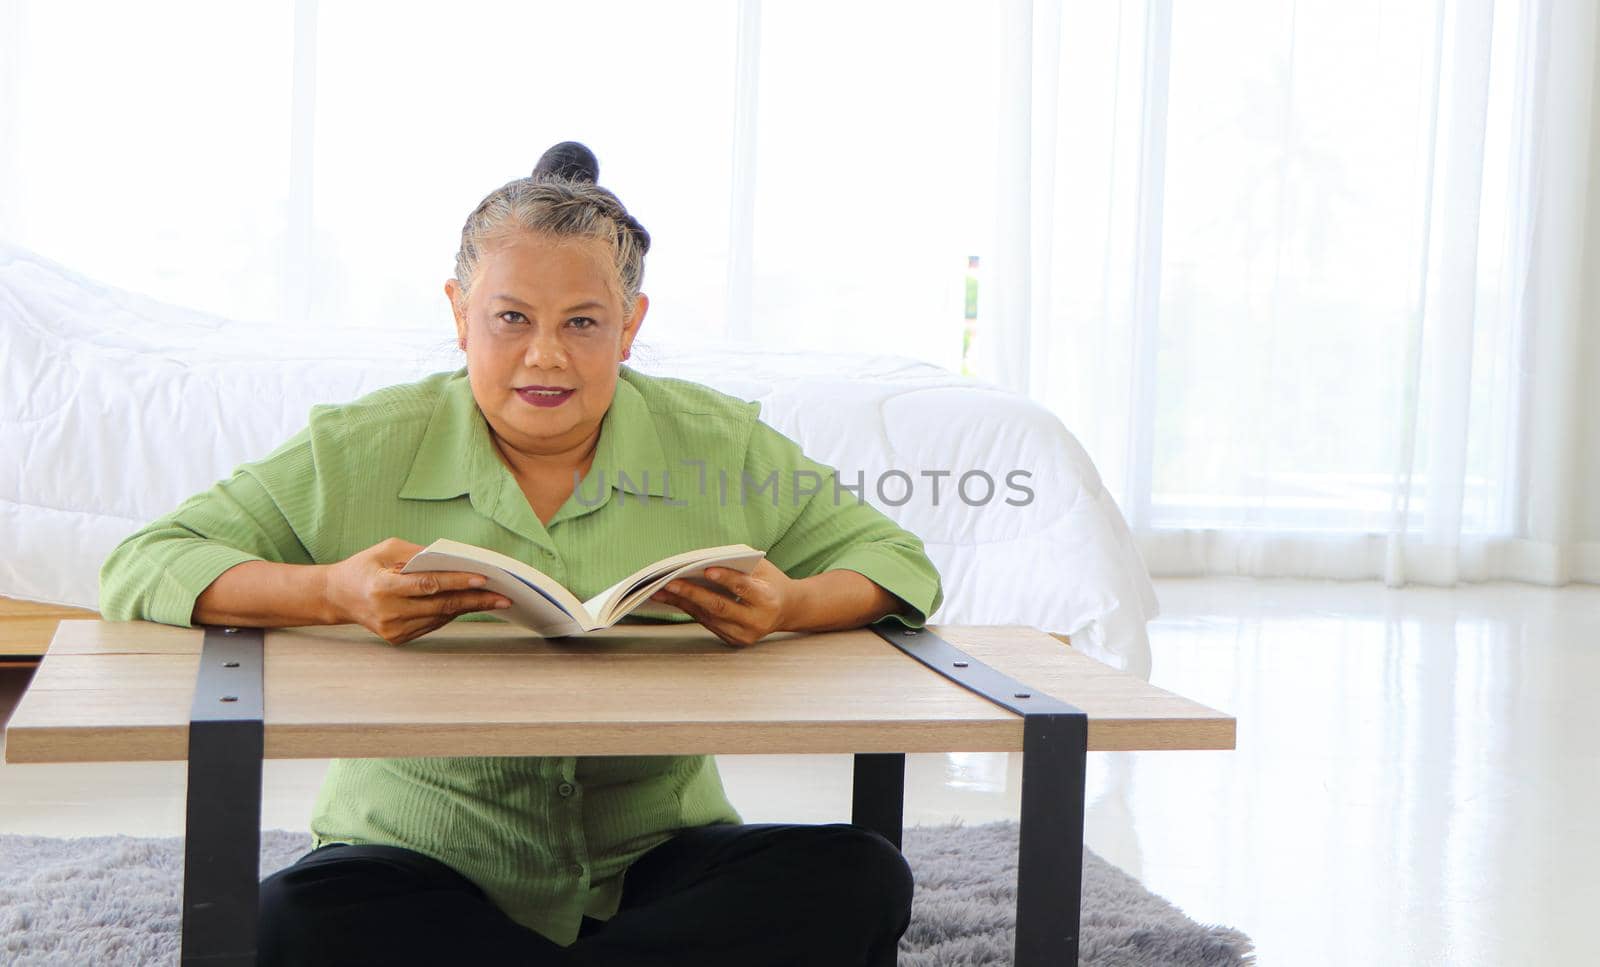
(1415, 777)
(977, 771)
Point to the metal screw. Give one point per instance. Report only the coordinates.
(1024, 695)
(961, 664)
(230, 698)
(230, 631)
(230, 664)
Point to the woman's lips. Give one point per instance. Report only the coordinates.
(544, 395)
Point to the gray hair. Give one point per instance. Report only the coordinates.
(557, 207)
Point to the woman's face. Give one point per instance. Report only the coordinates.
(544, 330)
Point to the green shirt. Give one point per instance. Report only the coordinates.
(677, 466)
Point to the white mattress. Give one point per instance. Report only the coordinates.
(114, 408)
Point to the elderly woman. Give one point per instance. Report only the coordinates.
(546, 448)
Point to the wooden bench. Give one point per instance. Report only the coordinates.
(26, 628)
(225, 698)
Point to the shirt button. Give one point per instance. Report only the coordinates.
(577, 869)
(566, 789)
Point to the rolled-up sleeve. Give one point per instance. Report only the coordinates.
(836, 530)
(262, 512)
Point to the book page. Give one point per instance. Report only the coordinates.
(633, 592)
(537, 601)
(606, 599)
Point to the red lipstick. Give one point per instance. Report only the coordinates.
(545, 395)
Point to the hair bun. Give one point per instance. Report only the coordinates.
(569, 160)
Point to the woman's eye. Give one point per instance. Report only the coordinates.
(514, 318)
(582, 322)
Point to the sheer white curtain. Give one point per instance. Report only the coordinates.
(1306, 277)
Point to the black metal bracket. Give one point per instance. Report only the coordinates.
(222, 847)
(1055, 745)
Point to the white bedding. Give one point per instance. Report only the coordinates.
(114, 408)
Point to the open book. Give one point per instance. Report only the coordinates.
(551, 611)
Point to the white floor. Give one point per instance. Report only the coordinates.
(1417, 779)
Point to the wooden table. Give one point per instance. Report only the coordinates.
(225, 698)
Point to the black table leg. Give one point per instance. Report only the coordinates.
(1050, 842)
(877, 802)
(878, 793)
(222, 847)
(1055, 743)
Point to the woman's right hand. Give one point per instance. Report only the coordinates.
(368, 589)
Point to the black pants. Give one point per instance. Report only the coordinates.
(752, 896)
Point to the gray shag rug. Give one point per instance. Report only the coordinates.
(115, 900)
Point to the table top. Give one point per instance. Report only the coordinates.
(123, 691)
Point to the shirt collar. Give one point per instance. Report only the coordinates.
(457, 456)
(445, 464)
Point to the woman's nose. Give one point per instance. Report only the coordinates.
(545, 351)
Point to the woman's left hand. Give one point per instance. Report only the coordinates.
(748, 608)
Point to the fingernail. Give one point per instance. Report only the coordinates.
(675, 587)
(478, 582)
(502, 603)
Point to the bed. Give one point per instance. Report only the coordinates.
(115, 407)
